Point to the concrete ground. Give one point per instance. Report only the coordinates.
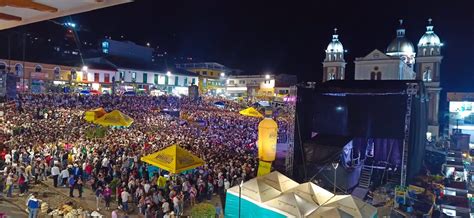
(59, 196)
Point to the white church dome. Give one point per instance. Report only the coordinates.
(429, 38)
(401, 44)
(335, 46)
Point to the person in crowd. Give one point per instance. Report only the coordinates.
(98, 197)
(107, 193)
(33, 205)
(125, 196)
(72, 185)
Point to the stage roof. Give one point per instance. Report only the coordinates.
(15, 13)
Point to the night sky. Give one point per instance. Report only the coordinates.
(290, 36)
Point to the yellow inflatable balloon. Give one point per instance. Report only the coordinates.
(267, 139)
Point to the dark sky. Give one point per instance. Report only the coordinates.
(291, 36)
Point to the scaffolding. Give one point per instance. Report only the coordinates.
(412, 89)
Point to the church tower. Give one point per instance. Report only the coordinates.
(334, 64)
(428, 69)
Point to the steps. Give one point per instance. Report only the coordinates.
(394, 178)
(365, 176)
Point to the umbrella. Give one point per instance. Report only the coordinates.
(251, 112)
(173, 159)
(115, 118)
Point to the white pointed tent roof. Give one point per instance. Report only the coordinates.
(275, 191)
(292, 204)
(312, 192)
(256, 190)
(279, 181)
(352, 205)
(328, 212)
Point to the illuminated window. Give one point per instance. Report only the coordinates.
(231, 82)
(241, 81)
(145, 78)
(427, 75)
(204, 72)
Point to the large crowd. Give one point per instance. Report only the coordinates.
(44, 137)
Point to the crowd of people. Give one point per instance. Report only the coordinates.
(44, 137)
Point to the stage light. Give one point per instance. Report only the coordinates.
(168, 73)
(267, 76)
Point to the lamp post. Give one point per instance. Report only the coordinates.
(240, 193)
(335, 165)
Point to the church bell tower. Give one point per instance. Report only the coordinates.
(334, 64)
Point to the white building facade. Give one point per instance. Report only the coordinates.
(169, 82)
(250, 85)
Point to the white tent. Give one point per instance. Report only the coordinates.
(312, 192)
(275, 195)
(279, 181)
(19, 12)
(256, 190)
(329, 212)
(352, 205)
(292, 205)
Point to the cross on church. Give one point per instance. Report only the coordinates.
(429, 20)
(335, 30)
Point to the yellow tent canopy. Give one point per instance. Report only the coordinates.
(173, 159)
(251, 112)
(95, 114)
(115, 118)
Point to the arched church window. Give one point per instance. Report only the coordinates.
(372, 76)
(332, 75)
(379, 75)
(424, 52)
(427, 75)
(432, 51)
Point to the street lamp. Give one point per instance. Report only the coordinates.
(85, 68)
(168, 73)
(222, 74)
(267, 76)
(240, 193)
(335, 165)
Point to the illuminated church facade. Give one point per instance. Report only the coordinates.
(400, 61)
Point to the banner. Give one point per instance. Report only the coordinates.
(264, 168)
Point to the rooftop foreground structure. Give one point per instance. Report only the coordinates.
(15, 13)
